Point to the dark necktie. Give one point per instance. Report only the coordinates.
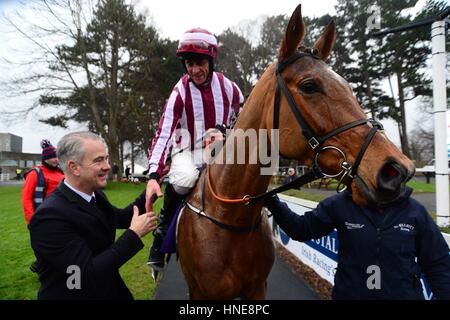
(93, 202)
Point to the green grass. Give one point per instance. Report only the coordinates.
(135, 272)
(304, 195)
(17, 282)
(445, 229)
(419, 187)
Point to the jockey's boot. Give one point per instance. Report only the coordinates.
(171, 202)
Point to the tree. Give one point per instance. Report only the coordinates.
(108, 70)
(114, 40)
(372, 61)
(56, 23)
(270, 38)
(150, 83)
(235, 59)
(355, 56)
(409, 67)
(421, 145)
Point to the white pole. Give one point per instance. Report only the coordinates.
(440, 123)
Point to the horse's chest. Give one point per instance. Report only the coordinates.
(240, 255)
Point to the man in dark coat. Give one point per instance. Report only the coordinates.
(73, 231)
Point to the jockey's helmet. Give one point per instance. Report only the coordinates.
(197, 41)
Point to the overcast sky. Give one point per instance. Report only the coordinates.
(172, 18)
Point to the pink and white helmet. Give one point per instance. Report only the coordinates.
(198, 41)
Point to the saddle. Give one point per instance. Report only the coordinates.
(170, 240)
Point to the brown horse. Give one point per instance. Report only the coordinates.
(225, 245)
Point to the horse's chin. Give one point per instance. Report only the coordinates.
(365, 196)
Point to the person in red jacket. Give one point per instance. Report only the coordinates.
(40, 181)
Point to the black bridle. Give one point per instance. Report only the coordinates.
(314, 140)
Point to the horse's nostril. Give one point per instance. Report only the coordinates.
(390, 171)
(391, 177)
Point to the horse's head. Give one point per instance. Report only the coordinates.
(330, 129)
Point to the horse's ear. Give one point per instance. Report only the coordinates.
(293, 35)
(325, 43)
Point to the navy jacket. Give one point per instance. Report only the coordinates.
(67, 231)
(391, 239)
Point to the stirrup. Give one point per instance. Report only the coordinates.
(157, 268)
(156, 265)
(155, 274)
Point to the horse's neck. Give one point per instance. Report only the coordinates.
(232, 180)
(236, 181)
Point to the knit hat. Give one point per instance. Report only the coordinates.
(48, 151)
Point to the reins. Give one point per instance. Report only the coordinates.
(245, 199)
(302, 180)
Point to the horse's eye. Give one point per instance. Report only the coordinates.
(309, 86)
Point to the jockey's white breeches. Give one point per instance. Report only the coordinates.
(184, 170)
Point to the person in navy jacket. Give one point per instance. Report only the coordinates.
(382, 252)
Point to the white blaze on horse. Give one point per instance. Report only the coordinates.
(225, 244)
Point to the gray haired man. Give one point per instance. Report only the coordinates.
(73, 232)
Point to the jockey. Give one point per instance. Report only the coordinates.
(201, 100)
